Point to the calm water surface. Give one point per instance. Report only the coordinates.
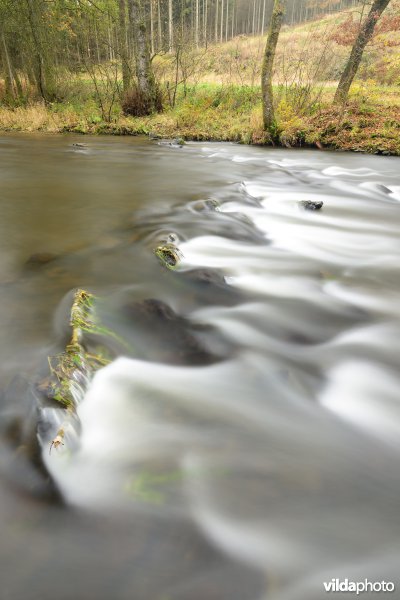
(244, 444)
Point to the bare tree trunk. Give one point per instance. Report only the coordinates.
(216, 21)
(170, 27)
(110, 44)
(263, 19)
(196, 25)
(41, 68)
(268, 63)
(259, 26)
(364, 36)
(152, 28)
(144, 71)
(159, 25)
(182, 32)
(9, 75)
(226, 20)
(123, 46)
(205, 22)
(96, 37)
(222, 21)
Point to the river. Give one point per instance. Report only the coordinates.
(244, 443)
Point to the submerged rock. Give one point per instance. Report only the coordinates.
(205, 205)
(175, 143)
(24, 468)
(383, 188)
(166, 335)
(208, 277)
(170, 238)
(311, 204)
(40, 258)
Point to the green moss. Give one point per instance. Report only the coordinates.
(75, 365)
(75, 361)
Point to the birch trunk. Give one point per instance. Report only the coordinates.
(216, 21)
(144, 72)
(364, 36)
(170, 27)
(268, 63)
(123, 46)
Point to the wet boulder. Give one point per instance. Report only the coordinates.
(175, 143)
(311, 204)
(204, 205)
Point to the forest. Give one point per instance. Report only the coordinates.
(72, 65)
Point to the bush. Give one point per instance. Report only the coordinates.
(137, 104)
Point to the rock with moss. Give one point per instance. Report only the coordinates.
(71, 370)
(169, 255)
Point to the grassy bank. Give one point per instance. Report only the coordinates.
(369, 123)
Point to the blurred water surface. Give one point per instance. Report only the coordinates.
(245, 443)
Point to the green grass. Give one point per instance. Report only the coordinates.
(207, 111)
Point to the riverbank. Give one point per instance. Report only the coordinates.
(369, 123)
(213, 93)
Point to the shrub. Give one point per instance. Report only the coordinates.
(137, 104)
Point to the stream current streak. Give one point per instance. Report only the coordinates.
(246, 444)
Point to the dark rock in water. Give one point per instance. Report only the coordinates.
(156, 309)
(382, 188)
(18, 431)
(207, 287)
(311, 204)
(46, 388)
(205, 205)
(175, 143)
(168, 336)
(208, 277)
(172, 238)
(40, 258)
(154, 136)
(77, 145)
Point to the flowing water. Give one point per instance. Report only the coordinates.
(244, 444)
